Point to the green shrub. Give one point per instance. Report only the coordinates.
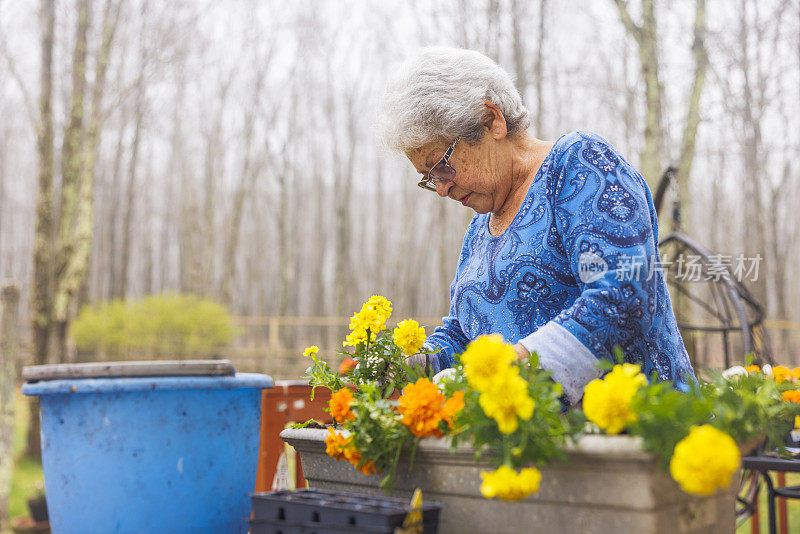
(159, 325)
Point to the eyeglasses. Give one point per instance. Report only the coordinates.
(441, 172)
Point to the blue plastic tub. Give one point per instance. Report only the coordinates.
(150, 455)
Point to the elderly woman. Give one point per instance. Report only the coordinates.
(561, 255)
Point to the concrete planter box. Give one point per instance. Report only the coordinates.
(608, 484)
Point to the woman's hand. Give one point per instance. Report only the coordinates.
(522, 352)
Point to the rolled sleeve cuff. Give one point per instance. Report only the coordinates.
(570, 361)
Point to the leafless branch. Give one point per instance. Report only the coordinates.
(634, 29)
(26, 94)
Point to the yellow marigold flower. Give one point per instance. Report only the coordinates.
(336, 444)
(452, 406)
(752, 368)
(505, 399)
(421, 407)
(797, 422)
(366, 319)
(782, 373)
(357, 336)
(381, 305)
(505, 483)
(791, 396)
(339, 405)
(372, 317)
(311, 351)
(607, 401)
(485, 358)
(704, 460)
(409, 336)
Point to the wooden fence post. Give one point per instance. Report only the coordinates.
(9, 375)
(274, 337)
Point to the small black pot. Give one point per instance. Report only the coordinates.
(38, 508)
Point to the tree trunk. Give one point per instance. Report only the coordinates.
(518, 49)
(493, 31)
(120, 288)
(646, 36)
(285, 229)
(79, 155)
(68, 261)
(689, 138)
(755, 236)
(213, 142)
(9, 377)
(110, 230)
(782, 249)
(539, 72)
(43, 244)
(342, 187)
(248, 177)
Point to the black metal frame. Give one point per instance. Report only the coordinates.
(763, 465)
(733, 306)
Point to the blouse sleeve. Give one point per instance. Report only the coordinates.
(450, 337)
(604, 224)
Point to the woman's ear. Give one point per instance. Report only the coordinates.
(494, 121)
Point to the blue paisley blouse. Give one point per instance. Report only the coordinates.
(576, 274)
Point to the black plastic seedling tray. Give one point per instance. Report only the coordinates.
(283, 527)
(314, 511)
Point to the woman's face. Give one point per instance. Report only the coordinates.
(482, 181)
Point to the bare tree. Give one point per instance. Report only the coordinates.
(119, 289)
(9, 377)
(43, 247)
(689, 139)
(645, 34)
(522, 66)
(69, 263)
(251, 168)
(212, 167)
(304, 214)
(78, 158)
(343, 166)
(752, 110)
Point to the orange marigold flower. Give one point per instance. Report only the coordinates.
(352, 455)
(421, 407)
(368, 468)
(453, 405)
(752, 368)
(782, 373)
(791, 396)
(340, 447)
(339, 405)
(346, 365)
(336, 444)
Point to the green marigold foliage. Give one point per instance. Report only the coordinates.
(171, 325)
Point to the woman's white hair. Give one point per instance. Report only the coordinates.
(439, 92)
